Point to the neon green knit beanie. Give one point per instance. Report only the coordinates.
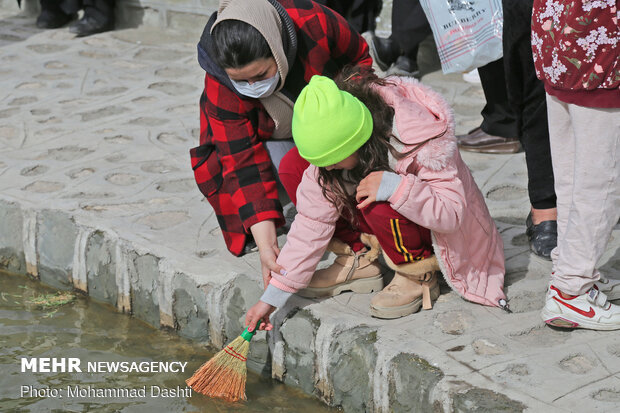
(329, 124)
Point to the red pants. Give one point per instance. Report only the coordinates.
(401, 239)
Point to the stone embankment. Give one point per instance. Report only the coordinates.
(96, 194)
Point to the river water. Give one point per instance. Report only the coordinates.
(94, 332)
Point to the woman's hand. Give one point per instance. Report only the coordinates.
(264, 233)
(268, 257)
(368, 188)
(258, 316)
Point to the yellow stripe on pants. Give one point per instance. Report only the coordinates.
(398, 240)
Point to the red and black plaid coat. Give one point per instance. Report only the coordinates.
(231, 166)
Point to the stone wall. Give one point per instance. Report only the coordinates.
(318, 348)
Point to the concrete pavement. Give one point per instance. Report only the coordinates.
(96, 193)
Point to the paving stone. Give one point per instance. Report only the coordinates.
(144, 273)
(352, 357)
(483, 400)
(172, 88)
(169, 138)
(11, 241)
(298, 335)
(455, 322)
(102, 113)
(412, 381)
(163, 220)
(67, 153)
(101, 268)
(577, 364)
(44, 186)
(123, 179)
(55, 239)
(189, 306)
(47, 48)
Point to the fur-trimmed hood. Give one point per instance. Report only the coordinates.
(422, 118)
(436, 191)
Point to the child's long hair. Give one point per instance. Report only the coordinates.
(373, 155)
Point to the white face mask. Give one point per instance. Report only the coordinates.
(259, 89)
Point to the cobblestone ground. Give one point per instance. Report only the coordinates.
(99, 129)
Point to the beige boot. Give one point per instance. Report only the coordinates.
(414, 285)
(349, 272)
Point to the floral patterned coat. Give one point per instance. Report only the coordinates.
(575, 50)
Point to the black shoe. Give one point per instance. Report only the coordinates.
(53, 19)
(88, 25)
(478, 140)
(383, 51)
(404, 67)
(543, 237)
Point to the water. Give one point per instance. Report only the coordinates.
(92, 331)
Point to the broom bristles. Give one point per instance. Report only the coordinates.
(225, 374)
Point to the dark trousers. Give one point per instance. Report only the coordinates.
(102, 10)
(516, 105)
(361, 14)
(67, 6)
(401, 239)
(409, 26)
(526, 94)
(498, 116)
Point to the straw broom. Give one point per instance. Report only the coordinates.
(224, 375)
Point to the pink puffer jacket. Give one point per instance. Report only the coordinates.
(438, 192)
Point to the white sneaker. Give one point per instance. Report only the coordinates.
(590, 310)
(610, 287)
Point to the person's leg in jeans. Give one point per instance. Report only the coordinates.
(585, 148)
(526, 95)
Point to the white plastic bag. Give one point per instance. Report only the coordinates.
(468, 33)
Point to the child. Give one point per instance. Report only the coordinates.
(384, 153)
(575, 51)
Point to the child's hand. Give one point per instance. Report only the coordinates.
(368, 188)
(259, 312)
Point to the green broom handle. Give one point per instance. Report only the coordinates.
(247, 335)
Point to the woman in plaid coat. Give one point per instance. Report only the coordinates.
(258, 55)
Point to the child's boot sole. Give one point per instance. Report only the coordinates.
(403, 310)
(360, 286)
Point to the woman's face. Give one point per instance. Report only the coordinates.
(347, 163)
(259, 69)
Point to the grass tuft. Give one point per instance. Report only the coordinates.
(47, 301)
